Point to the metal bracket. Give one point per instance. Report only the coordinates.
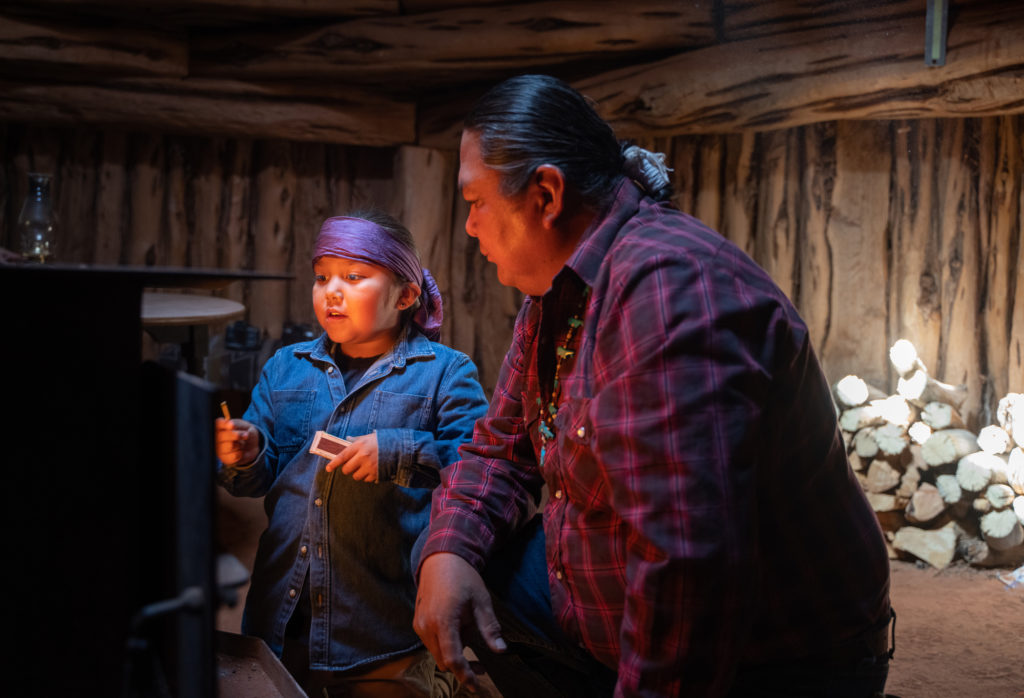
(935, 30)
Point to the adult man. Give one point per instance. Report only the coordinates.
(704, 534)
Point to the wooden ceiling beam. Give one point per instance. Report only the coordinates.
(737, 65)
(866, 70)
(272, 8)
(318, 8)
(63, 46)
(410, 7)
(219, 107)
(742, 19)
(460, 43)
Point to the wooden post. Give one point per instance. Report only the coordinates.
(1000, 177)
(175, 242)
(272, 233)
(816, 265)
(776, 242)
(110, 199)
(959, 356)
(915, 306)
(77, 203)
(857, 234)
(425, 184)
(206, 187)
(738, 209)
(147, 199)
(312, 207)
(235, 221)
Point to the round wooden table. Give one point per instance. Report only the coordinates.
(185, 318)
(186, 309)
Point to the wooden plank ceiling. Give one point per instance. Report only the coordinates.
(389, 72)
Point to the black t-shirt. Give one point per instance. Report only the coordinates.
(353, 367)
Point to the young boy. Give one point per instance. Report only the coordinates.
(332, 591)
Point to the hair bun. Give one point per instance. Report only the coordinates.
(648, 170)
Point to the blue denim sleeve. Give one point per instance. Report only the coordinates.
(459, 401)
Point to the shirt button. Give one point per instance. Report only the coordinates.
(319, 502)
(292, 593)
(558, 494)
(581, 432)
(330, 369)
(303, 550)
(558, 574)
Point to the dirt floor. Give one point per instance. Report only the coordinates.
(959, 631)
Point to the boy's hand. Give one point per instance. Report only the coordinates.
(237, 442)
(358, 460)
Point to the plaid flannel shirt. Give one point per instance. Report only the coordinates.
(702, 512)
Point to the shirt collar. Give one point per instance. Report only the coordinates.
(411, 344)
(598, 238)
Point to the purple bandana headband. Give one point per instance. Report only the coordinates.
(362, 240)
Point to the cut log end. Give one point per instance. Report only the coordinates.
(1010, 416)
(948, 446)
(1002, 530)
(1000, 496)
(978, 470)
(892, 439)
(949, 489)
(925, 505)
(920, 388)
(903, 357)
(936, 547)
(994, 439)
(941, 415)
(881, 477)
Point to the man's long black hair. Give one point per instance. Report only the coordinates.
(533, 120)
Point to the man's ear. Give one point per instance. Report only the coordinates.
(550, 187)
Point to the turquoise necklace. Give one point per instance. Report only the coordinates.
(562, 352)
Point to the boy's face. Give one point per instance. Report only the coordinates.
(358, 304)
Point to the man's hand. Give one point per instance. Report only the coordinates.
(451, 598)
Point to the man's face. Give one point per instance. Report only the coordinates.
(508, 229)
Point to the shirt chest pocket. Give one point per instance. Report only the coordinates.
(573, 421)
(400, 410)
(582, 477)
(293, 410)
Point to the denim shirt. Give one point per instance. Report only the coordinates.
(353, 539)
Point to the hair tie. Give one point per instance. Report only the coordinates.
(648, 169)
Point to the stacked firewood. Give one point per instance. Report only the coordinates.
(941, 491)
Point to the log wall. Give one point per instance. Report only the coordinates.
(880, 231)
(876, 229)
